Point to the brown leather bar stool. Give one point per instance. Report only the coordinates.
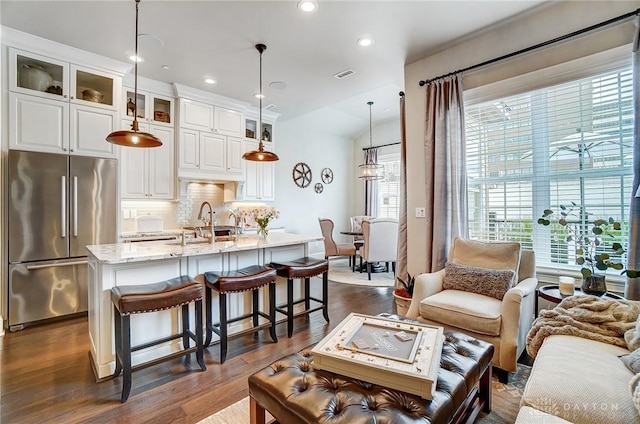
(251, 279)
(139, 299)
(303, 268)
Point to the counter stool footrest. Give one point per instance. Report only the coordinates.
(165, 358)
(163, 340)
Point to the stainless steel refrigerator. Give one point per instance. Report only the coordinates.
(58, 204)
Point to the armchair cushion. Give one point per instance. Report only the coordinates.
(489, 282)
(493, 255)
(464, 310)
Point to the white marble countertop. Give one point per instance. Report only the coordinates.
(155, 250)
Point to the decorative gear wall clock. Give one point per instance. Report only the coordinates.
(302, 175)
(327, 175)
(318, 188)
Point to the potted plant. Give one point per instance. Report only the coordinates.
(404, 293)
(595, 243)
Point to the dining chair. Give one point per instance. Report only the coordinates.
(331, 248)
(380, 242)
(358, 240)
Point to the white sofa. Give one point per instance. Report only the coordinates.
(578, 380)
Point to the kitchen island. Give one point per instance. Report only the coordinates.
(120, 264)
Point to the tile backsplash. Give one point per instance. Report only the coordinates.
(177, 213)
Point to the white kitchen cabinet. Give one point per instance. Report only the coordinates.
(59, 107)
(209, 156)
(259, 177)
(228, 122)
(234, 154)
(152, 108)
(196, 115)
(149, 173)
(213, 152)
(38, 124)
(45, 125)
(201, 154)
(89, 127)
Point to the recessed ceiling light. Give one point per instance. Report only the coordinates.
(258, 96)
(134, 58)
(165, 67)
(210, 81)
(365, 41)
(307, 6)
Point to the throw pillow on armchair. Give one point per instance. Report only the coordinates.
(488, 282)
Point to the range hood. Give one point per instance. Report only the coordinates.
(233, 190)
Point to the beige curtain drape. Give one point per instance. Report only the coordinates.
(401, 263)
(632, 288)
(446, 176)
(371, 186)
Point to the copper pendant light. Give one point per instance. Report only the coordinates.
(260, 155)
(133, 137)
(370, 170)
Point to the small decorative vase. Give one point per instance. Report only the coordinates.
(263, 233)
(594, 284)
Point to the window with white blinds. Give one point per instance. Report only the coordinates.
(571, 142)
(389, 187)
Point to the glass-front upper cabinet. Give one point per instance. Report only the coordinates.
(38, 75)
(251, 126)
(151, 107)
(93, 86)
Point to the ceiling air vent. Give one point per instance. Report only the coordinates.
(344, 74)
(270, 106)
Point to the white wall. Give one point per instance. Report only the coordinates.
(304, 139)
(536, 27)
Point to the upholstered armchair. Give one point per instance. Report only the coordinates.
(331, 248)
(487, 290)
(380, 242)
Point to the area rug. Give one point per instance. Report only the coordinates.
(505, 403)
(340, 272)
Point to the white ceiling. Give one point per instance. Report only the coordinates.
(217, 38)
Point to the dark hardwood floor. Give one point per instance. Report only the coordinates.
(46, 376)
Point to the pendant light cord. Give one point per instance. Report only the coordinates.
(261, 145)
(370, 131)
(135, 67)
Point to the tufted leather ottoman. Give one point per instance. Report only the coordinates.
(294, 392)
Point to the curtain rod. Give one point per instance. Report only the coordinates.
(382, 145)
(537, 46)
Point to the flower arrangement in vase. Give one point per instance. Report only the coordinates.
(595, 243)
(261, 215)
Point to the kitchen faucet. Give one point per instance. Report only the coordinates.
(236, 219)
(207, 221)
(204, 219)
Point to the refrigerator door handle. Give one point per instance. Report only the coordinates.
(32, 267)
(63, 207)
(75, 206)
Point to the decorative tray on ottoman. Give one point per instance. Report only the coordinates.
(401, 355)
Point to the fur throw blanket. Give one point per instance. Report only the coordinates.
(601, 319)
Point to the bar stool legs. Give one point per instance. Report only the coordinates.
(303, 268)
(139, 299)
(246, 279)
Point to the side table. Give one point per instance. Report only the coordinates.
(552, 294)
